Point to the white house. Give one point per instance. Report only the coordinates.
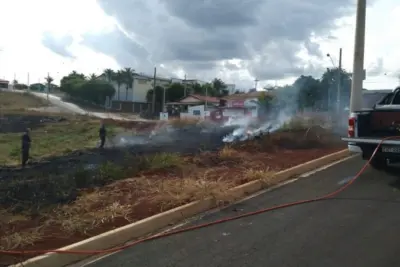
(140, 86)
(231, 88)
(133, 99)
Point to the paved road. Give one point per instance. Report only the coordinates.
(73, 108)
(70, 107)
(361, 227)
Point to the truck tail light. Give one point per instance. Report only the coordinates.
(351, 128)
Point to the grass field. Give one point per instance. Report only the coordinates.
(51, 134)
(18, 102)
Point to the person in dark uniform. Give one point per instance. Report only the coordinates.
(102, 135)
(25, 147)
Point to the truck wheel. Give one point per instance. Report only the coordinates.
(378, 163)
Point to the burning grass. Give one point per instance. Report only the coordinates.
(158, 183)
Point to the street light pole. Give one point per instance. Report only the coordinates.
(153, 102)
(185, 85)
(358, 63)
(339, 82)
(48, 86)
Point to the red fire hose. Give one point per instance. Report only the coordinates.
(192, 228)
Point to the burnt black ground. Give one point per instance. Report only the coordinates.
(14, 123)
(186, 141)
(360, 227)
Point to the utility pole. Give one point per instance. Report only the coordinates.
(15, 79)
(206, 104)
(29, 89)
(358, 61)
(256, 83)
(164, 96)
(48, 86)
(185, 85)
(339, 81)
(153, 105)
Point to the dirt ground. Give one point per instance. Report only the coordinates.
(168, 180)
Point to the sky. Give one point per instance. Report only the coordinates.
(274, 41)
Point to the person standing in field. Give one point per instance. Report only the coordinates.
(25, 147)
(102, 134)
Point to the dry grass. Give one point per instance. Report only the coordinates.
(17, 239)
(21, 239)
(175, 192)
(228, 152)
(302, 122)
(10, 101)
(266, 176)
(104, 205)
(81, 217)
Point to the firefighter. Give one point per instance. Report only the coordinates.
(102, 134)
(25, 147)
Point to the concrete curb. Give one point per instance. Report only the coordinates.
(139, 229)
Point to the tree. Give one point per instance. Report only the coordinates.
(159, 96)
(309, 92)
(219, 88)
(95, 91)
(128, 75)
(119, 79)
(329, 83)
(175, 92)
(92, 76)
(208, 89)
(197, 89)
(266, 101)
(48, 80)
(109, 74)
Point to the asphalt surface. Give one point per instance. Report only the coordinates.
(360, 227)
(72, 108)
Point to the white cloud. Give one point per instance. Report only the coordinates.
(24, 28)
(67, 23)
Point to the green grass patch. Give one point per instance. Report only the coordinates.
(53, 139)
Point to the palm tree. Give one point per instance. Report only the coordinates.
(48, 80)
(128, 74)
(110, 75)
(119, 79)
(92, 77)
(77, 75)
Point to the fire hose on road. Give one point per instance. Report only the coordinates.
(192, 228)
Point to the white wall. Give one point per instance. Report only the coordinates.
(140, 88)
(231, 88)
